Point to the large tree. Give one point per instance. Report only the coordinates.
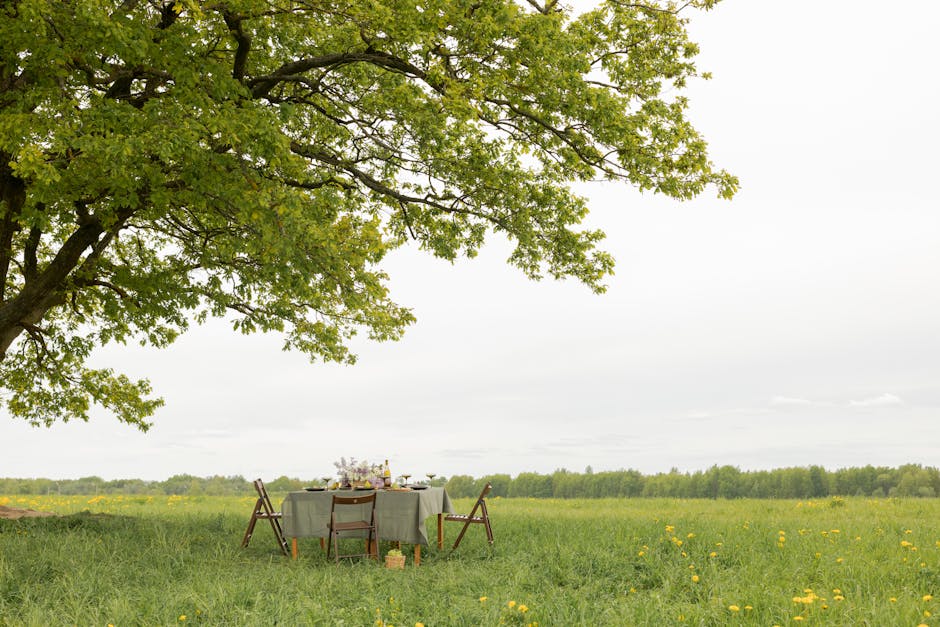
(164, 161)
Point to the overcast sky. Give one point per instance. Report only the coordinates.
(797, 324)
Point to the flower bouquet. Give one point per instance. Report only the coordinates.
(358, 473)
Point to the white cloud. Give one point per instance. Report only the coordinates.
(885, 400)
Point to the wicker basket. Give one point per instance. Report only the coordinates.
(395, 562)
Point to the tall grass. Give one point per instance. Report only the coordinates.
(177, 560)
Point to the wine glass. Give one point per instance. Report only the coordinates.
(326, 482)
(430, 477)
(405, 479)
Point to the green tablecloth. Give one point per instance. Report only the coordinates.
(399, 515)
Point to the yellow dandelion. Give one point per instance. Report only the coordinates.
(838, 597)
(893, 599)
(836, 591)
(712, 554)
(694, 578)
(734, 608)
(483, 599)
(641, 553)
(748, 607)
(511, 604)
(926, 613)
(419, 624)
(839, 560)
(523, 608)
(690, 535)
(797, 618)
(182, 617)
(928, 597)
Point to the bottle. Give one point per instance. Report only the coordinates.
(387, 475)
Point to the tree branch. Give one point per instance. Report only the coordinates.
(243, 41)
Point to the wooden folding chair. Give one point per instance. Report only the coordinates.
(265, 511)
(336, 527)
(482, 518)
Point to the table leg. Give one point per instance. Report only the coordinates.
(417, 555)
(322, 544)
(293, 548)
(440, 531)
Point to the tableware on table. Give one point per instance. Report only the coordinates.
(326, 482)
(315, 489)
(430, 477)
(405, 479)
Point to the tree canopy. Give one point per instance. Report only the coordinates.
(166, 161)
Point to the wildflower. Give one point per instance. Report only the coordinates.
(641, 553)
(482, 599)
(836, 591)
(182, 617)
(511, 604)
(522, 608)
(691, 535)
(694, 578)
(905, 543)
(419, 624)
(893, 599)
(838, 597)
(926, 613)
(797, 618)
(748, 607)
(734, 608)
(670, 528)
(928, 597)
(691, 566)
(839, 560)
(712, 554)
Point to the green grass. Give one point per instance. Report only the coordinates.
(153, 560)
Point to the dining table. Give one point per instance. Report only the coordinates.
(400, 515)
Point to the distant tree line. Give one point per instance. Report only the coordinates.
(726, 482)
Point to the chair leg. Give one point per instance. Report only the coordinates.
(486, 523)
(279, 534)
(466, 525)
(251, 524)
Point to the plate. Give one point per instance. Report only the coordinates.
(362, 489)
(314, 489)
(418, 487)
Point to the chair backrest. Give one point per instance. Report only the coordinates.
(486, 490)
(263, 495)
(353, 500)
(365, 499)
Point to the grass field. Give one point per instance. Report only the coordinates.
(177, 561)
